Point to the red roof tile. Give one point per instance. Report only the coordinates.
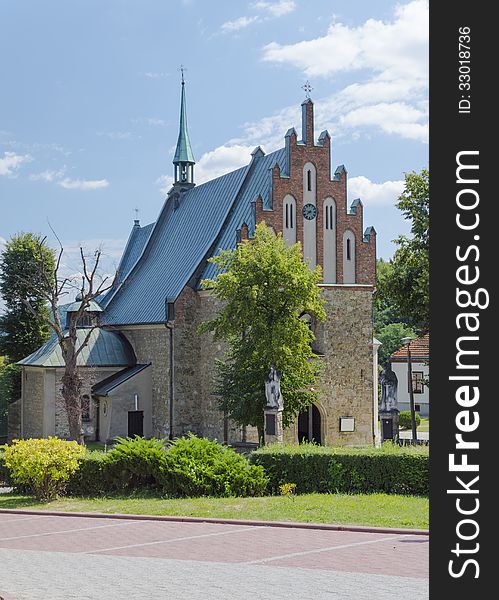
(420, 347)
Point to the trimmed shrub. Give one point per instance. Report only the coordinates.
(322, 469)
(92, 478)
(44, 465)
(405, 419)
(200, 467)
(135, 463)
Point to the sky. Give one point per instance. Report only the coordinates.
(91, 93)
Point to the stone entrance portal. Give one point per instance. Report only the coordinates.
(309, 425)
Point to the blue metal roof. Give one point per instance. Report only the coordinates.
(259, 182)
(104, 349)
(133, 249)
(110, 383)
(93, 306)
(180, 239)
(189, 230)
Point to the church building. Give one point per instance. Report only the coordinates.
(146, 368)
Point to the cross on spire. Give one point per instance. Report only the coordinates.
(182, 70)
(307, 87)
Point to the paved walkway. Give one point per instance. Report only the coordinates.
(77, 558)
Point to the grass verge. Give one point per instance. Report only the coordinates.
(377, 510)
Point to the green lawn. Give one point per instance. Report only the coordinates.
(381, 510)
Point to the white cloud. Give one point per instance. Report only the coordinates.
(152, 121)
(164, 183)
(115, 135)
(222, 160)
(391, 97)
(395, 48)
(237, 24)
(268, 10)
(275, 9)
(213, 164)
(374, 194)
(155, 75)
(398, 117)
(48, 175)
(393, 58)
(83, 184)
(11, 162)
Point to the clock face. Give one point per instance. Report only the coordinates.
(309, 211)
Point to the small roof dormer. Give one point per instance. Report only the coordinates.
(90, 314)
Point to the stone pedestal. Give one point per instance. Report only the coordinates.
(389, 424)
(273, 430)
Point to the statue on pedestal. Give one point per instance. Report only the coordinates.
(273, 390)
(273, 428)
(389, 383)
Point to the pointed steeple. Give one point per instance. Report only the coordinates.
(184, 158)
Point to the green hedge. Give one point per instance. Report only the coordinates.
(406, 419)
(390, 469)
(189, 466)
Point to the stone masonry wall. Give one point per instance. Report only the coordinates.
(152, 345)
(53, 387)
(33, 400)
(346, 385)
(196, 404)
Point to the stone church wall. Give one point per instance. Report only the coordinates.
(33, 391)
(152, 344)
(346, 384)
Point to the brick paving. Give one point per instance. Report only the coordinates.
(75, 558)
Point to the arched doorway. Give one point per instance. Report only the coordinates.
(309, 425)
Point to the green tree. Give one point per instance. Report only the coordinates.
(265, 287)
(38, 290)
(390, 336)
(389, 326)
(25, 266)
(406, 285)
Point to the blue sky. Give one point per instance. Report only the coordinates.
(90, 101)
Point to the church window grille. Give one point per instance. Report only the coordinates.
(330, 217)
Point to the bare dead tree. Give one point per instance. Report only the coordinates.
(57, 287)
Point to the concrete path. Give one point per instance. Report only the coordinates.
(407, 435)
(77, 558)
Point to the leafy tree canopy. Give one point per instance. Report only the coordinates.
(26, 268)
(265, 287)
(403, 283)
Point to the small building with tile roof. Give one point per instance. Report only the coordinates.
(151, 314)
(420, 363)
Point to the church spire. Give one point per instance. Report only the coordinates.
(184, 158)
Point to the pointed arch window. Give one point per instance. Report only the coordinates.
(289, 219)
(349, 274)
(329, 241)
